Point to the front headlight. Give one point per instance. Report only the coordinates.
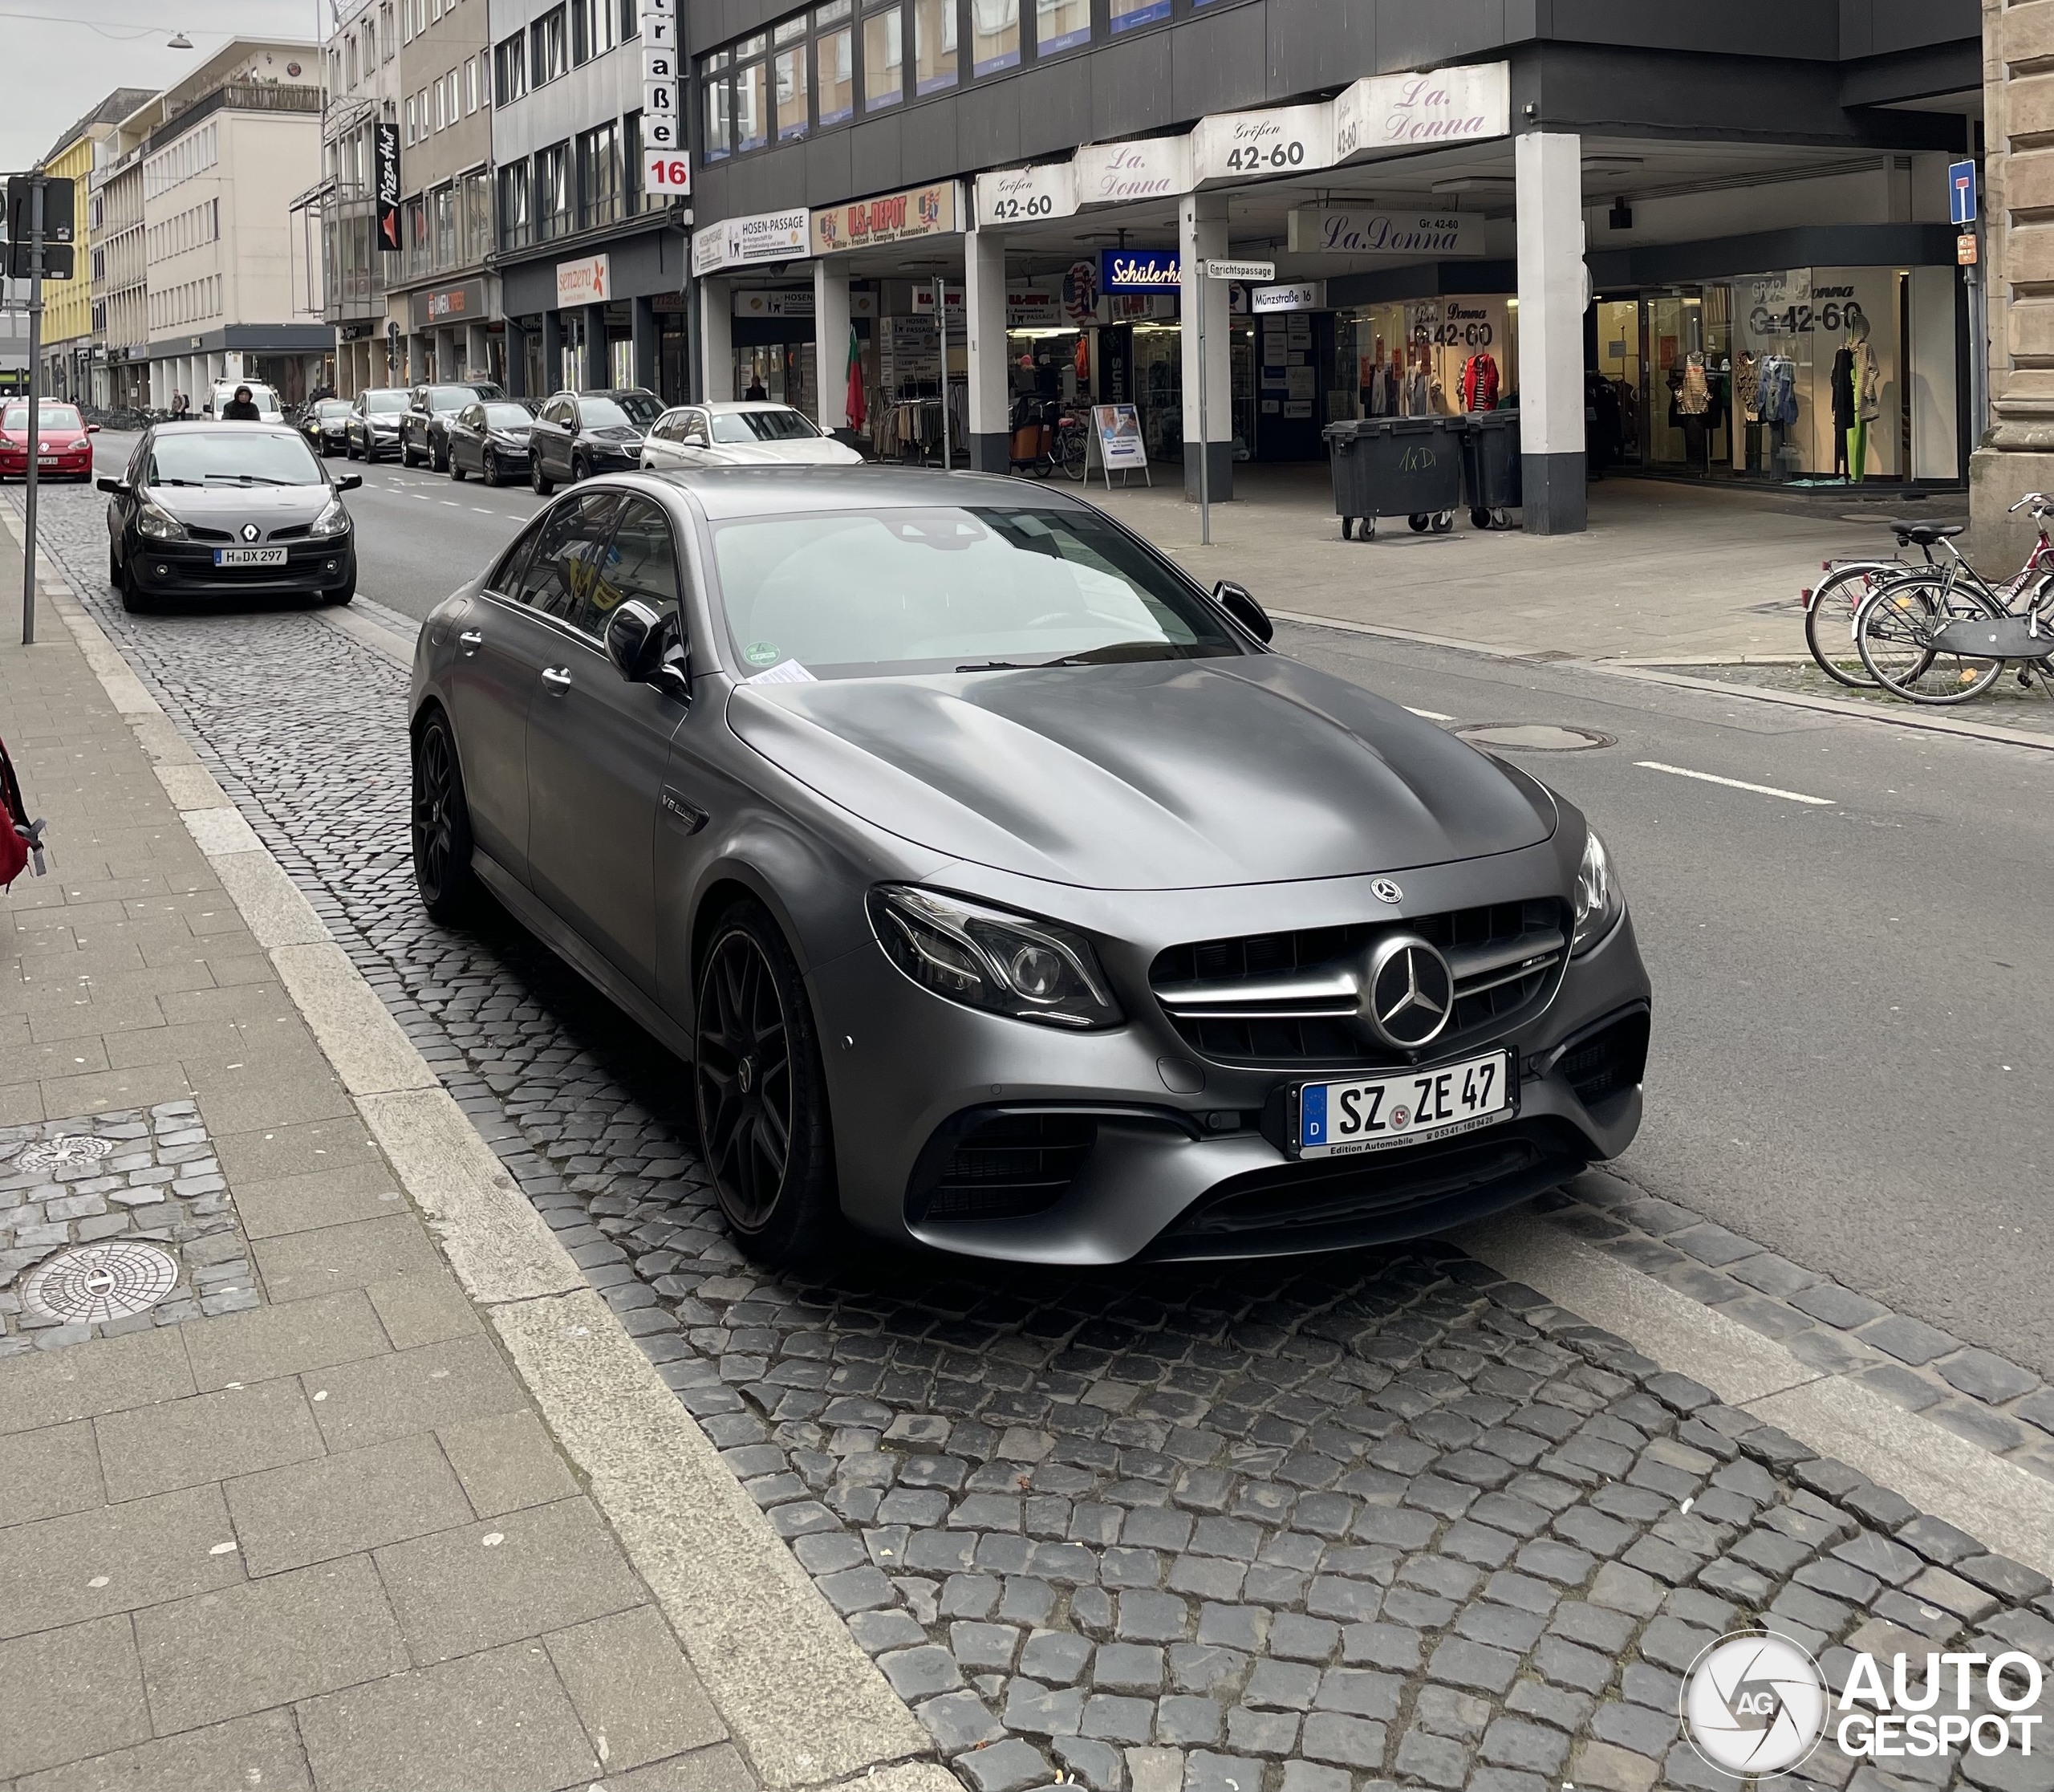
(159, 525)
(1599, 900)
(1014, 965)
(333, 521)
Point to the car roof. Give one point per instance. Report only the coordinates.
(213, 426)
(727, 493)
(731, 405)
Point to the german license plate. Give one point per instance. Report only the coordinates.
(249, 556)
(1407, 1108)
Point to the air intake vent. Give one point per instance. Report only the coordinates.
(1012, 1165)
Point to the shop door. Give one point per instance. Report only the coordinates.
(1619, 399)
(1289, 348)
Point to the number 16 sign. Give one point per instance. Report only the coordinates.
(666, 168)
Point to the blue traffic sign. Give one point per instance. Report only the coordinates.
(1961, 191)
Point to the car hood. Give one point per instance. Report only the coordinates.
(617, 435)
(229, 506)
(47, 438)
(809, 451)
(1166, 774)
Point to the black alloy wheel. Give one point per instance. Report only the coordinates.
(760, 1093)
(491, 468)
(349, 446)
(451, 466)
(442, 823)
(581, 469)
(438, 458)
(133, 598)
(540, 482)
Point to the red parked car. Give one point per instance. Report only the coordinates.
(64, 448)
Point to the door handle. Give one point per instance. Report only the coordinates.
(558, 678)
(470, 641)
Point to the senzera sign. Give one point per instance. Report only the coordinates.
(931, 211)
(1285, 139)
(1151, 168)
(1022, 195)
(586, 281)
(1384, 112)
(1330, 230)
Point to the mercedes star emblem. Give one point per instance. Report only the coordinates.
(1409, 996)
(1385, 891)
(250, 531)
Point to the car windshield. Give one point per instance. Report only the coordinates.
(222, 458)
(450, 398)
(642, 408)
(382, 402)
(55, 417)
(867, 594)
(262, 397)
(602, 413)
(332, 407)
(508, 416)
(778, 425)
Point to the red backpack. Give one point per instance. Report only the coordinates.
(20, 840)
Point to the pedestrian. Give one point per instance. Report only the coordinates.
(756, 388)
(241, 408)
(179, 406)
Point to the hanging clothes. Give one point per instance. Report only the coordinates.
(1843, 387)
(1479, 384)
(1746, 384)
(1868, 395)
(1776, 391)
(1694, 396)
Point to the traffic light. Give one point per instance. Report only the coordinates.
(56, 261)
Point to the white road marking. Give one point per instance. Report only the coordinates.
(450, 502)
(1735, 783)
(1430, 715)
(479, 509)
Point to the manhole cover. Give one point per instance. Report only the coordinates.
(1533, 737)
(98, 1282)
(65, 1152)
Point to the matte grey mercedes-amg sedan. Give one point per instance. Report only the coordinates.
(1001, 888)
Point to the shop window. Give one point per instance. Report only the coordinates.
(994, 35)
(516, 225)
(510, 68)
(935, 45)
(752, 94)
(546, 48)
(475, 215)
(788, 76)
(716, 126)
(834, 62)
(883, 56)
(598, 175)
(632, 198)
(1060, 25)
(1127, 14)
(553, 192)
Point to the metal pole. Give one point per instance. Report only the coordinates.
(941, 337)
(1205, 447)
(35, 406)
(1979, 339)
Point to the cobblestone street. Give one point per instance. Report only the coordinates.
(1390, 1519)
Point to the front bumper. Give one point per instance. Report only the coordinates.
(1168, 1176)
(187, 569)
(73, 463)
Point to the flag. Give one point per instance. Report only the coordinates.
(855, 396)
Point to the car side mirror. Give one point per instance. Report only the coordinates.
(92, 429)
(1239, 602)
(116, 487)
(349, 482)
(634, 639)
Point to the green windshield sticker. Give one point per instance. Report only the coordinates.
(761, 653)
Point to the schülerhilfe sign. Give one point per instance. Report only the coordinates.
(1335, 230)
(1140, 271)
(1285, 139)
(1149, 168)
(1383, 113)
(1024, 195)
(666, 166)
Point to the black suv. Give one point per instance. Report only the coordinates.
(577, 434)
(424, 426)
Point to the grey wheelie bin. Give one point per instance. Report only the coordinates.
(1396, 467)
(1490, 467)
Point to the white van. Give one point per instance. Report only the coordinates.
(261, 396)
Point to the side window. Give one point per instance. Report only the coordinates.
(641, 563)
(560, 577)
(694, 429)
(506, 577)
(558, 410)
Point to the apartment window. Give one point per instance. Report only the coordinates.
(935, 45)
(1127, 14)
(1060, 25)
(884, 56)
(788, 79)
(413, 235)
(412, 115)
(474, 216)
(470, 88)
(441, 109)
(387, 36)
(595, 28)
(833, 63)
(994, 35)
(716, 127)
(632, 199)
(370, 47)
(510, 69)
(484, 77)
(349, 59)
(442, 203)
(751, 94)
(453, 81)
(630, 19)
(598, 175)
(516, 220)
(546, 48)
(552, 212)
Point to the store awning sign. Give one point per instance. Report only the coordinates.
(1023, 195)
(586, 281)
(784, 302)
(928, 211)
(1384, 113)
(1140, 271)
(762, 237)
(1283, 140)
(1035, 310)
(1149, 168)
(1332, 230)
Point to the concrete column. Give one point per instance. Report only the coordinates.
(597, 373)
(984, 316)
(1549, 167)
(644, 327)
(552, 354)
(831, 339)
(716, 342)
(517, 361)
(1202, 237)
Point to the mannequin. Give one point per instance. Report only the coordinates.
(1867, 405)
(1844, 420)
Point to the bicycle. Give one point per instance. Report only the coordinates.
(1944, 637)
(1067, 452)
(1833, 603)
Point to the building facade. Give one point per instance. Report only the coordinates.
(1671, 241)
(363, 94)
(120, 292)
(69, 349)
(593, 273)
(439, 295)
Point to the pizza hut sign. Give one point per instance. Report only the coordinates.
(931, 211)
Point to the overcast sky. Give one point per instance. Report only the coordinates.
(55, 67)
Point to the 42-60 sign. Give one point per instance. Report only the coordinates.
(1792, 320)
(1035, 205)
(1264, 158)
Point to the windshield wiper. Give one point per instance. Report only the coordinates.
(1091, 657)
(170, 481)
(253, 478)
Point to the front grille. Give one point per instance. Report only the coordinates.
(200, 534)
(1612, 1058)
(1011, 1165)
(292, 532)
(1288, 999)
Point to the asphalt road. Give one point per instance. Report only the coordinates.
(1854, 995)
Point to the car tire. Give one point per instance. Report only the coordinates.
(491, 474)
(581, 469)
(349, 448)
(113, 567)
(539, 480)
(756, 1074)
(440, 823)
(439, 459)
(133, 598)
(346, 594)
(455, 472)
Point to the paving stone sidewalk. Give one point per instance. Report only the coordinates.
(295, 1525)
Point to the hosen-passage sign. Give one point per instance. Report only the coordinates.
(666, 168)
(931, 211)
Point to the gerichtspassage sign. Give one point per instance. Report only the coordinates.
(1757, 1705)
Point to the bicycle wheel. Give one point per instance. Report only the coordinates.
(1829, 618)
(1068, 453)
(1895, 632)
